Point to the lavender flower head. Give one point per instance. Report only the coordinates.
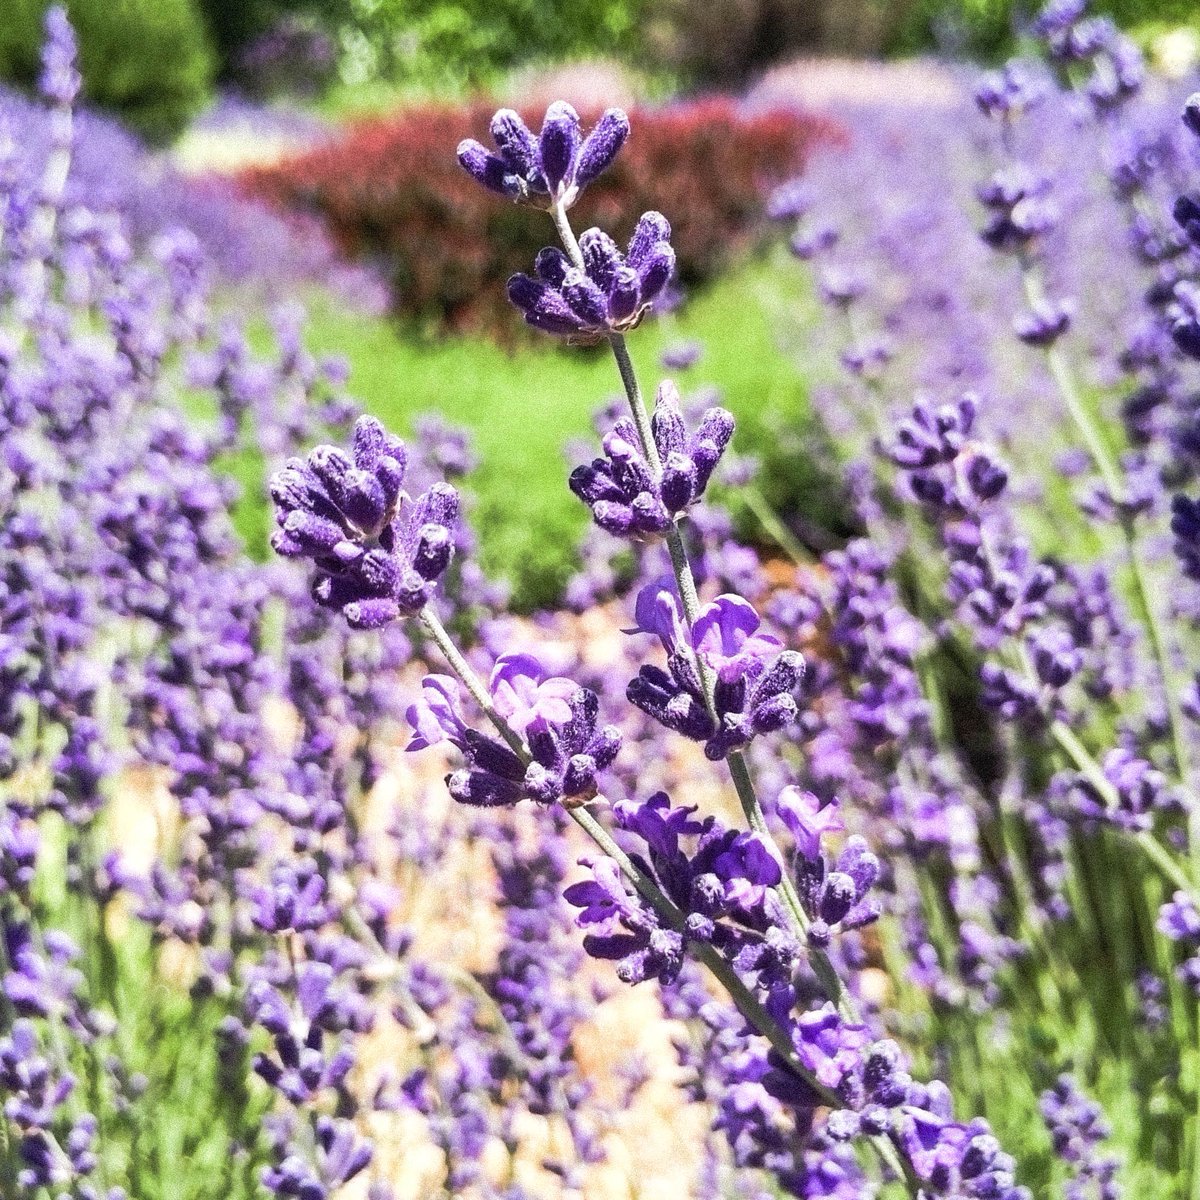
(59, 81)
(378, 553)
(612, 291)
(562, 749)
(626, 495)
(551, 169)
(755, 678)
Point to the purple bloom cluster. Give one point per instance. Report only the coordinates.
(1116, 69)
(627, 496)
(551, 169)
(607, 292)
(1020, 209)
(724, 885)
(1078, 1130)
(378, 553)
(1179, 920)
(562, 750)
(755, 677)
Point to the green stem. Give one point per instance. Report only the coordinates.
(686, 582)
(773, 525)
(1110, 472)
(474, 685)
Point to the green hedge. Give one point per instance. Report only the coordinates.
(438, 44)
(148, 61)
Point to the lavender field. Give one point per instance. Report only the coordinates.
(803, 802)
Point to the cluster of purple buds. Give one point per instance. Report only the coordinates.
(623, 928)
(1078, 1129)
(1179, 919)
(1044, 323)
(835, 897)
(722, 881)
(946, 470)
(51, 1157)
(1139, 790)
(555, 718)
(755, 678)
(60, 80)
(1010, 92)
(1019, 206)
(840, 286)
(792, 201)
(1005, 594)
(610, 293)
(1118, 69)
(378, 554)
(550, 169)
(951, 1158)
(312, 1010)
(1185, 526)
(339, 1154)
(627, 496)
(1185, 311)
(1184, 315)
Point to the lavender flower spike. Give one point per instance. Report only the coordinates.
(59, 81)
(611, 294)
(621, 489)
(378, 554)
(548, 170)
(556, 718)
(755, 677)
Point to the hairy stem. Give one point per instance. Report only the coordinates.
(686, 582)
(474, 685)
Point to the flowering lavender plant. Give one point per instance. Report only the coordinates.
(900, 835)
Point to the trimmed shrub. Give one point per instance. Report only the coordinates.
(390, 192)
(146, 60)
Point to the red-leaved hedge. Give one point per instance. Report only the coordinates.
(392, 192)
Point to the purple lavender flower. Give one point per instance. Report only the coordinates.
(790, 201)
(60, 79)
(1179, 920)
(549, 170)
(946, 471)
(755, 676)
(1185, 526)
(555, 717)
(835, 894)
(627, 930)
(612, 291)
(1010, 92)
(1045, 323)
(378, 554)
(679, 356)
(1078, 1130)
(807, 819)
(627, 496)
(1021, 210)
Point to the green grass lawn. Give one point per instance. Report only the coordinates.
(524, 405)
